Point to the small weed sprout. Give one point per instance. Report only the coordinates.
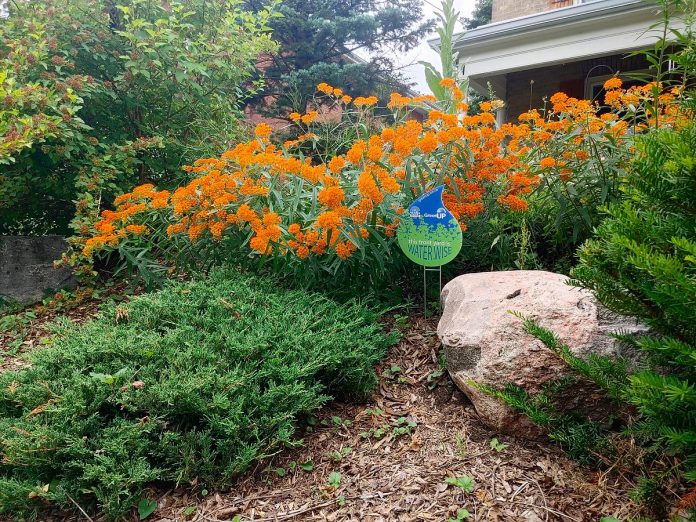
(462, 443)
(465, 483)
(462, 514)
(433, 379)
(335, 479)
(497, 445)
(339, 455)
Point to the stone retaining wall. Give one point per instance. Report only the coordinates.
(26, 268)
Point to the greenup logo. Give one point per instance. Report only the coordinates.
(428, 233)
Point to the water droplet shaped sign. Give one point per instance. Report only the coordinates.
(428, 233)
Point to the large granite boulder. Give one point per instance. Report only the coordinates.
(26, 268)
(485, 343)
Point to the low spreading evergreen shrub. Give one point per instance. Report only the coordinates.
(191, 383)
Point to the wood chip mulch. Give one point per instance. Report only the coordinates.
(30, 332)
(392, 474)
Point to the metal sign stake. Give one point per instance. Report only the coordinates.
(425, 286)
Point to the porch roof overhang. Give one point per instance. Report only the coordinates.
(568, 34)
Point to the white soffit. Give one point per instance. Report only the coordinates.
(562, 35)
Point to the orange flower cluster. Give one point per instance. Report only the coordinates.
(639, 96)
(279, 202)
(561, 141)
(117, 226)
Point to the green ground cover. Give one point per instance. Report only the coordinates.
(191, 383)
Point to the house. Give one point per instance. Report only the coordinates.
(534, 48)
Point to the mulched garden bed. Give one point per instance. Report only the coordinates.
(32, 326)
(394, 455)
(403, 477)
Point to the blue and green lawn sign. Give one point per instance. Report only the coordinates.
(429, 235)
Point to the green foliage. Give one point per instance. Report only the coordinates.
(462, 514)
(499, 240)
(497, 445)
(565, 211)
(335, 479)
(99, 95)
(642, 262)
(397, 428)
(318, 41)
(339, 455)
(189, 384)
(611, 375)
(466, 483)
(448, 60)
(146, 507)
(481, 15)
(584, 440)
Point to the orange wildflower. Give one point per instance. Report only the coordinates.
(325, 88)
(259, 243)
(355, 153)
(368, 187)
(271, 219)
(428, 143)
(263, 130)
(448, 83)
(328, 220)
(136, 229)
(294, 228)
(246, 213)
(513, 202)
(613, 83)
(361, 101)
(344, 250)
(547, 163)
(309, 117)
(331, 197)
(217, 228)
(302, 252)
(336, 164)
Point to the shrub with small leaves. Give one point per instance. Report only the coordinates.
(193, 384)
(642, 262)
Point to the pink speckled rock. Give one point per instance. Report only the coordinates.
(486, 344)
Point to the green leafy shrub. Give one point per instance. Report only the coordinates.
(100, 95)
(642, 262)
(192, 383)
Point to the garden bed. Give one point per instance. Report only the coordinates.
(23, 330)
(403, 476)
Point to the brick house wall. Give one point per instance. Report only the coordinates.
(508, 9)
